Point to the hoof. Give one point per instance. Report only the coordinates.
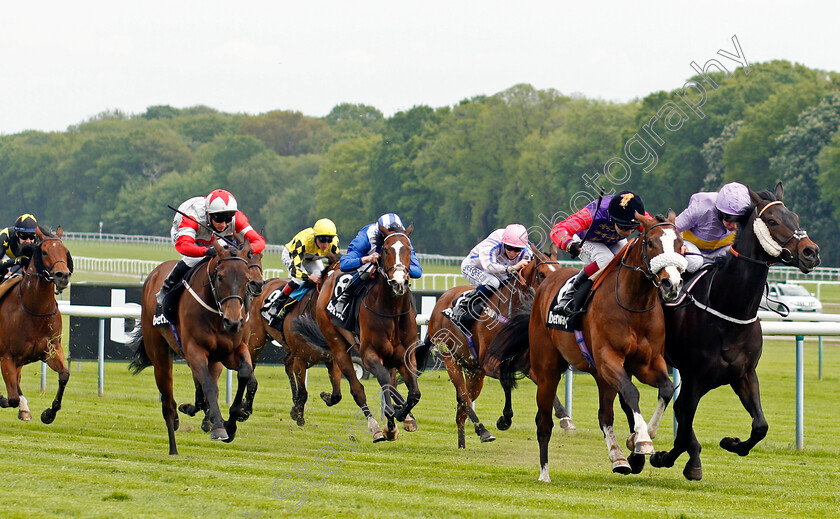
(693, 473)
(188, 409)
(328, 399)
(644, 448)
(659, 460)
(219, 434)
(410, 424)
(297, 416)
(24, 415)
(621, 467)
(206, 424)
(230, 428)
(392, 434)
(48, 416)
(486, 437)
(503, 423)
(637, 463)
(567, 424)
(631, 441)
(243, 416)
(734, 445)
(379, 436)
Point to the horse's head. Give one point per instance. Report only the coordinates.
(396, 258)
(255, 277)
(229, 282)
(662, 253)
(50, 258)
(777, 229)
(539, 268)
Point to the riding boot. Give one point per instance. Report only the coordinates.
(345, 297)
(566, 305)
(172, 279)
(275, 310)
(469, 307)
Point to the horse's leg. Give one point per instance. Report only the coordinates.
(561, 413)
(57, 364)
(545, 372)
(475, 382)
(163, 379)
(10, 375)
(345, 364)
(244, 374)
(335, 380)
(250, 393)
(197, 359)
(456, 376)
(747, 390)
(504, 422)
(383, 376)
(685, 440)
(299, 393)
(606, 417)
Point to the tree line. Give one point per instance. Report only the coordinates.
(458, 172)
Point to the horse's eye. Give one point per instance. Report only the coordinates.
(649, 244)
(772, 223)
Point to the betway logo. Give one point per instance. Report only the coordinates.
(559, 320)
(159, 320)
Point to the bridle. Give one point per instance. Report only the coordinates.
(783, 254)
(645, 269)
(395, 267)
(212, 276)
(47, 273)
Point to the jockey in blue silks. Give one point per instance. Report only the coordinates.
(363, 253)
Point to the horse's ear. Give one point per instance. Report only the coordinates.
(647, 222)
(671, 216)
(553, 252)
(38, 233)
(756, 198)
(780, 192)
(60, 232)
(382, 230)
(218, 246)
(410, 229)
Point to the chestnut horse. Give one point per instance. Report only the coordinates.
(715, 339)
(30, 321)
(465, 371)
(387, 334)
(624, 329)
(210, 317)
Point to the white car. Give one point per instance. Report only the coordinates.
(795, 297)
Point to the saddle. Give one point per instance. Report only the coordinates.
(8, 284)
(168, 312)
(294, 298)
(349, 320)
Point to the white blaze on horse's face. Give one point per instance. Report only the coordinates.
(669, 240)
(399, 273)
(672, 262)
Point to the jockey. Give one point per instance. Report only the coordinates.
(596, 233)
(496, 258)
(217, 210)
(708, 224)
(319, 240)
(363, 253)
(12, 240)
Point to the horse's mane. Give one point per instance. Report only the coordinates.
(743, 219)
(379, 238)
(46, 231)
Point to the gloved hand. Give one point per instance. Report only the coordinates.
(210, 252)
(574, 249)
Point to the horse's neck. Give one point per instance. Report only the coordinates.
(37, 294)
(385, 301)
(748, 276)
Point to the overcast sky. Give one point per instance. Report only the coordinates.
(64, 62)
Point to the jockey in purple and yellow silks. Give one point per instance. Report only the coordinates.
(708, 224)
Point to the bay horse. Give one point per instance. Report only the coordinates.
(387, 334)
(209, 335)
(30, 322)
(624, 329)
(714, 338)
(466, 372)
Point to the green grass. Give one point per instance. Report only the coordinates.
(107, 457)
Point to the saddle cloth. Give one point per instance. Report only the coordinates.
(168, 312)
(557, 320)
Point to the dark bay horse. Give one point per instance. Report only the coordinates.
(387, 334)
(466, 372)
(30, 323)
(715, 339)
(624, 328)
(210, 317)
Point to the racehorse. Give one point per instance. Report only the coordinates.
(207, 335)
(624, 329)
(714, 338)
(30, 323)
(387, 334)
(465, 370)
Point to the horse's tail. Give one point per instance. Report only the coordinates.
(508, 355)
(311, 332)
(421, 353)
(141, 358)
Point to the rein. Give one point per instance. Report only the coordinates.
(645, 262)
(212, 277)
(48, 277)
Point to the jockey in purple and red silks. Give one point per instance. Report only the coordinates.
(501, 255)
(606, 231)
(708, 224)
